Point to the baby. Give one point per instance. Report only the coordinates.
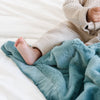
(76, 27)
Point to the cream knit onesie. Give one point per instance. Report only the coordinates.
(76, 26)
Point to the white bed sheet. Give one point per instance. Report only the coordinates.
(29, 19)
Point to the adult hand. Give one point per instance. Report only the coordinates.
(93, 14)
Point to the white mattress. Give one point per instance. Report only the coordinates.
(29, 19)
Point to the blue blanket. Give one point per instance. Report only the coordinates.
(70, 71)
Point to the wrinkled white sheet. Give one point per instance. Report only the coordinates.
(29, 19)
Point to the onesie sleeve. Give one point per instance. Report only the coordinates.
(76, 13)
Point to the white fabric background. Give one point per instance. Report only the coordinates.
(29, 19)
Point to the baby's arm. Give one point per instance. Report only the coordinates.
(76, 12)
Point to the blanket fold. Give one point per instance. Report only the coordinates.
(70, 71)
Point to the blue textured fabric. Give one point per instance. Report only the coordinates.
(70, 71)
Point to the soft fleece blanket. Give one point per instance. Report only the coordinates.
(70, 71)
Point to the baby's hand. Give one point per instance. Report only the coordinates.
(93, 14)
